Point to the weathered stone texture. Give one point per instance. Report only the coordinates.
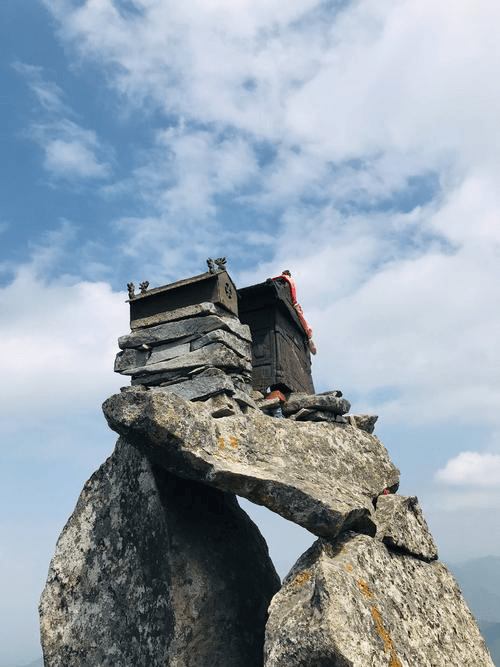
(187, 329)
(353, 603)
(322, 476)
(213, 354)
(209, 383)
(364, 422)
(329, 402)
(154, 570)
(401, 525)
(185, 312)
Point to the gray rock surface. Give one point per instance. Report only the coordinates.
(190, 328)
(364, 422)
(214, 354)
(241, 347)
(327, 402)
(153, 570)
(322, 476)
(185, 312)
(402, 526)
(353, 603)
(209, 383)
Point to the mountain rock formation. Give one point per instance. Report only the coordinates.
(152, 570)
(353, 602)
(159, 566)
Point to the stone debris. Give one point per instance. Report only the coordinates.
(352, 602)
(155, 570)
(401, 525)
(323, 476)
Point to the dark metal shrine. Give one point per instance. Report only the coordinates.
(280, 350)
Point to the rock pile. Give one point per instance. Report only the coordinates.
(202, 352)
(158, 565)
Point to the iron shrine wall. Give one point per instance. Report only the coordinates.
(280, 354)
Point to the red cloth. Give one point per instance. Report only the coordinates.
(298, 310)
(276, 394)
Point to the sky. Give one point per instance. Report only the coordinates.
(355, 143)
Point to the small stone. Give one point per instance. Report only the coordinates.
(256, 395)
(328, 402)
(302, 414)
(364, 422)
(244, 398)
(402, 527)
(222, 406)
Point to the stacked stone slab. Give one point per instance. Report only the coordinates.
(202, 352)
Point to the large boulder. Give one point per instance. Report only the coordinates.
(155, 570)
(323, 476)
(352, 602)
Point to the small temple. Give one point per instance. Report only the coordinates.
(257, 335)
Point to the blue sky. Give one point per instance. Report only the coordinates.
(355, 143)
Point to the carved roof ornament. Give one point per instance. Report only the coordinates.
(142, 286)
(220, 263)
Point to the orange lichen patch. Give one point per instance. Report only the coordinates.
(363, 587)
(233, 441)
(221, 443)
(386, 638)
(301, 578)
(348, 567)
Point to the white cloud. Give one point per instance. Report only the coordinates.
(49, 95)
(476, 468)
(72, 158)
(58, 344)
(71, 151)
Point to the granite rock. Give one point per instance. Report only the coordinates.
(352, 603)
(364, 422)
(322, 476)
(154, 570)
(401, 525)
